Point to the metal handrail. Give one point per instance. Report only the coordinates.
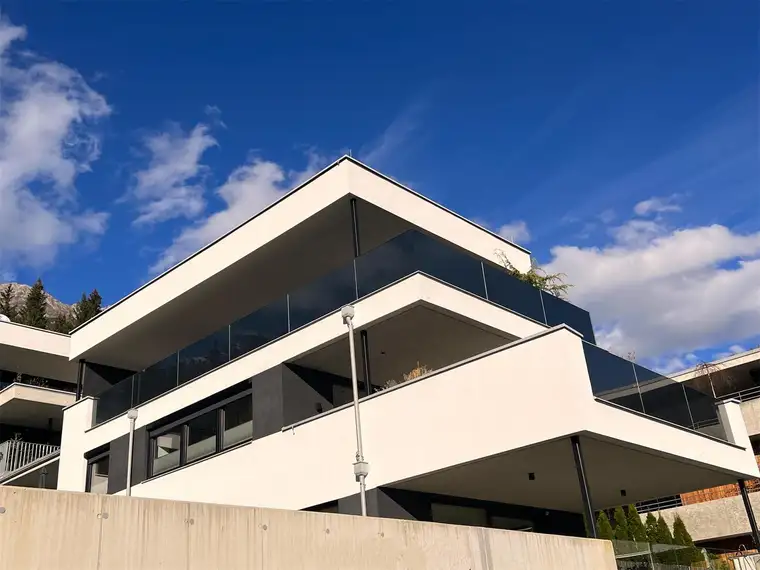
(743, 395)
(659, 504)
(16, 454)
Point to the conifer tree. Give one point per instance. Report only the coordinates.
(603, 526)
(86, 308)
(636, 528)
(621, 525)
(651, 528)
(681, 536)
(62, 324)
(6, 302)
(664, 536)
(34, 311)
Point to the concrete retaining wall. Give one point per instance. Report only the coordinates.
(721, 518)
(53, 529)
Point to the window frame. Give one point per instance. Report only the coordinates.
(184, 431)
(91, 461)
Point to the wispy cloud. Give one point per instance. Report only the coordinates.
(385, 147)
(172, 185)
(516, 232)
(249, 189)
(47, 139)
(657, 205)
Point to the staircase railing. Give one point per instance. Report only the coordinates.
(17, 454)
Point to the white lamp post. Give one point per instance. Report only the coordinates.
(361, 467)
(132, 415)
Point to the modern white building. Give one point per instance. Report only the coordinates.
(715, 516)
(237, 363)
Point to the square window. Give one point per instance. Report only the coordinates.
(166, 451)
(98, 475)
(238, 421)
(201, 436)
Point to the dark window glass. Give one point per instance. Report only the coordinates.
(513, 294)
(238, 421)
(663, 398)
(509, 523)
(114, 401)
(201, 436)
(98, 475)
(612, 377)
(327, 294)
(158, 379)
(204, 355)
(166, 451)
(259, 328)
(559, 311)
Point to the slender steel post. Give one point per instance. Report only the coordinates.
(43, 478)
(355, 228)
(750, 513)
(580, 468)
(80, 380)
(365, 361)
(132, 415)
(361, 467)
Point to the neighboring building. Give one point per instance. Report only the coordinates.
(37, 381)
(484, 400)
(715, 515)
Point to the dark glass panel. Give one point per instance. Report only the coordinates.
(512, 293)
(204, 355)
(611, 377)
(415, 251)
(559, 311)
(663, 397)
(114, 401)
(324, 295)
(158, 379)
(259, 328)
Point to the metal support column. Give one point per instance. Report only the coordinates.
(750, 513)
(365, 361)
(80, 380)
(355, 228)
(580, 468)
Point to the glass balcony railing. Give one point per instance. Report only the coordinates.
(632, 386)
(407, 253)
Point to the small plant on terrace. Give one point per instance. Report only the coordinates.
(553, 283)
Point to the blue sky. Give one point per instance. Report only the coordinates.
(616, 140)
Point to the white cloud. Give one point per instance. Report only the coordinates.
(657, 205)
(516, 231)
(377, 153)
(733, 349)
(172, 184)
(47, 139)
(248, 190)
(663, 292)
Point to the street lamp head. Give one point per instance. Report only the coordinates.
(132, 414)
(347, 312)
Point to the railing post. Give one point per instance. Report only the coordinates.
(750, 513)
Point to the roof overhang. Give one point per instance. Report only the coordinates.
(36, 352)
(309, 229)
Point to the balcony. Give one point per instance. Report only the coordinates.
(410, 252)
(16, 455)
(688, 404)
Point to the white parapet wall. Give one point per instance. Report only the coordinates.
(63, 530)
